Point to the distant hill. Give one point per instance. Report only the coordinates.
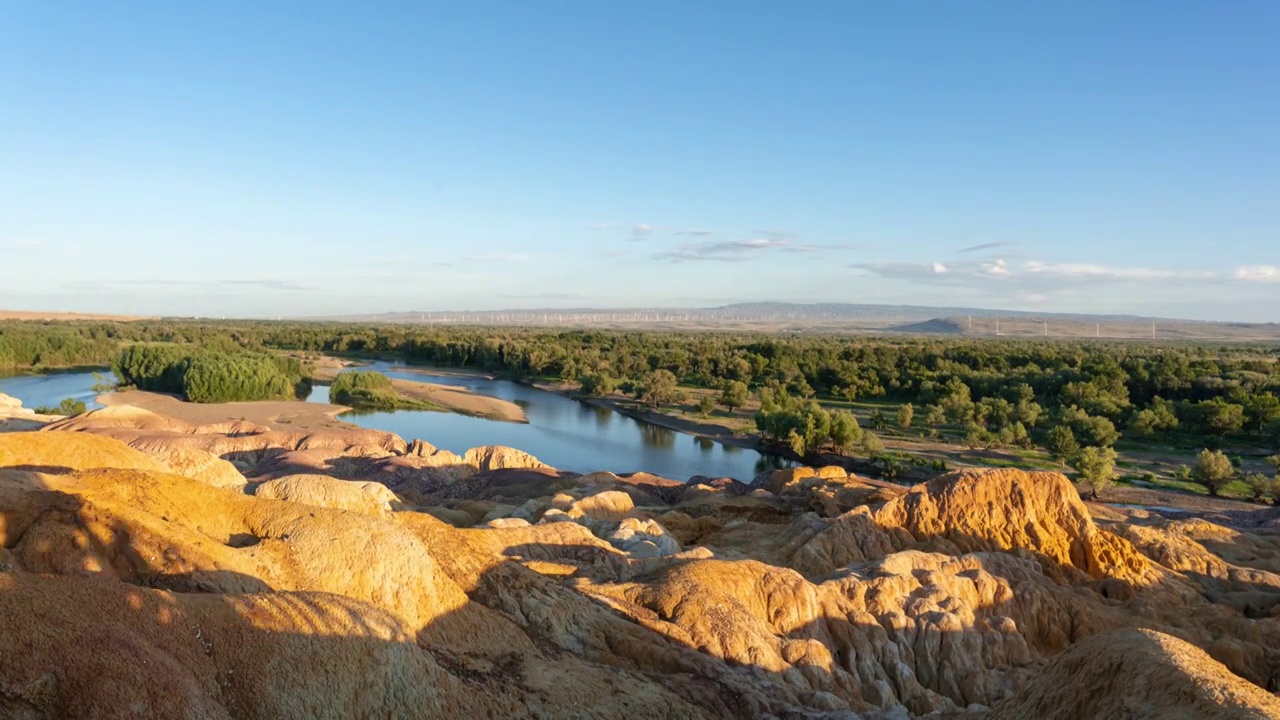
(936, 326)
(38, 315)
(843, 317)
(861, 314)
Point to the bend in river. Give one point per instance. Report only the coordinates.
(561, 432)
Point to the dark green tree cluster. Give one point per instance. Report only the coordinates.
(207, 376)
(363, 388)
(30, 345)
(215, 378)
(155, 367)
(371, 390)
(805, 427)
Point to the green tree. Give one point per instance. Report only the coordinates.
(1014, 435)
(1096, 466)
(871, 445)
(1212, 469)
(596, 384)
(1028, 412)
(1217, 416)
(1161, 417)
(975, 436)
(734, 394)
(1089, 429)
(1062, 444)
(905, 415)
(1261, 485)
(844, 430)
(1274, 462)
(706, 405)
(1259, 410)
(739, 369)
(659, 388)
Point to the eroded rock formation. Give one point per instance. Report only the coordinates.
(359, 575)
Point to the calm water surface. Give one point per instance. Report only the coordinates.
(48, 390)
(561, 432)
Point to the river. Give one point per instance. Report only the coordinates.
(50, 389)
(561, 432)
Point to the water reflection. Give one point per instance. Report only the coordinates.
(565, 433)
(656, 437)
(603, 416)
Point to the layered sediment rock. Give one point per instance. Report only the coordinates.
(545, 594)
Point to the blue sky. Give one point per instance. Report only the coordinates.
(309, 157)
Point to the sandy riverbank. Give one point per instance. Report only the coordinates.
(276, 414)
(461, 400)
(327, 368)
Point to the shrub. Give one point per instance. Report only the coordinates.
(1212, 470)
(706, 404)
(1261, 485)
(68, 406)
(1096, 466)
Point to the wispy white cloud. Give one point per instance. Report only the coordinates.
(641, 232)
(985, 246)
(1104, 272)
(997, 268)
(1044, 273)
(1258, 273)
(697, 233)
(723, 250)
(905, 271)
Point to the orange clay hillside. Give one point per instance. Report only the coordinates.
(356, 575)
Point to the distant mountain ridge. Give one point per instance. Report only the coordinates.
(845, 318)
(763, 311)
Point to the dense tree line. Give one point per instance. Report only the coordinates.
(997, 391)
(208, 376)
(25, 345)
